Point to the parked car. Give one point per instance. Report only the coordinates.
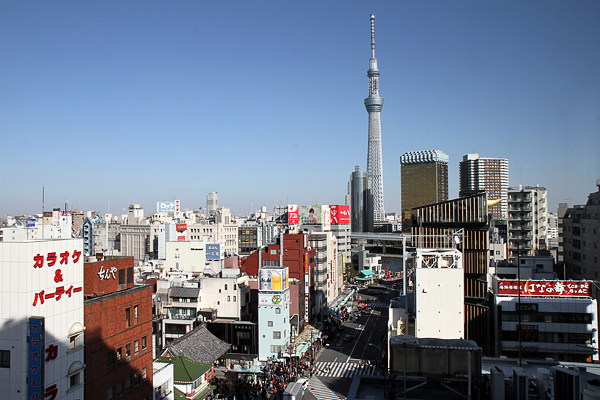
(348, 338)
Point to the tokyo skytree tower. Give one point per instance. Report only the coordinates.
(373, 103)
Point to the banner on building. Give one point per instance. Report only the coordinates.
(340, 214)
(315, 215)
(293, 214)
(214, 252)
(36, 358)
(270, 299)
(544, 288)
(273, 279)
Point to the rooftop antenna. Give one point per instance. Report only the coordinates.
(372, 35)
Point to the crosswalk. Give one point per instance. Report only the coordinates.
(333, 369)
(378, 304)
(320, 391)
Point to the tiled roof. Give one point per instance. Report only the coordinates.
(177, 291)
(186, 370)
(199, 345)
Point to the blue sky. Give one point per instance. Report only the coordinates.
(113, 103)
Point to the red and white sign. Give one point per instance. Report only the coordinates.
(340, 214)
(58, 274)
(544, 288)
(177, 213)
(181, 238)
(293, 214)
(180, 227)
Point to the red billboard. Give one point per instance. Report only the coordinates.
(544, 288)
(180, 227)
(340, 214)
(181, 238)
(293, 214)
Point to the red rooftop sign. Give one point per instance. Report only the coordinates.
(544, 288)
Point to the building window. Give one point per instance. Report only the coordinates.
(135, 314)
(277, 335)
(144, 343)
(228, 298)
(4, 358)
(144, 373)
(128, 383)
(129, 275)
(127, 317)
(75, 336)
(136, 378)
(111, 359)
(225, 286)
(121, 277)
(234, 299)
(128, 351)
(119, 387)
(234, 287)
(136, 347)
(278, 310)
(269, 323)
(120, 354)
(111, 393)
(74, 374)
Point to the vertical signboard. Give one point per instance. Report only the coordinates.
(326, 217)
(293, 214)
(36, 357)
(177, 213)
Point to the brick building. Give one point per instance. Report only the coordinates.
(300, 260)
(118, 339)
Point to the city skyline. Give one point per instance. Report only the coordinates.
(112, 104)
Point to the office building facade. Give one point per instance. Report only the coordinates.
(360, 202)
(470, 214)
(424, 180)
(579, 238)
(485, 174)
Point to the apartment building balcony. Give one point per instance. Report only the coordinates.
(519, 227)
(520, 207)
(520, 246)
(520, 236)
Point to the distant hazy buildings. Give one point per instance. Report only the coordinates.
(374, 103)
(360, 201)
(424, 180)
(487, 174)
(212, 203)
(580, 234)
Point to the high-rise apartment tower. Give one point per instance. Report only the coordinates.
(424, 181)
(485, 174)
(374, 103)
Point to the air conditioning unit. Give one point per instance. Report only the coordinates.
(566, 383)
(520, 384)
(545, 384)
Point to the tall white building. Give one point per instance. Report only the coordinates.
(374, 103)
(212, 203)
(273, 312)
(485, 174)
(527, 221)
(41, 319)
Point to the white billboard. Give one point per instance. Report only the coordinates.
(273, 279)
